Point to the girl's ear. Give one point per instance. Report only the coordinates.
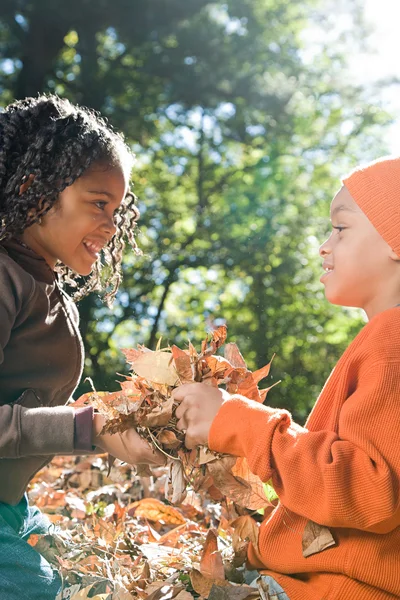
(26, 184)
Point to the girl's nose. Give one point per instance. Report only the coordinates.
(109, 226)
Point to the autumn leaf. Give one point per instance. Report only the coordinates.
(234, 357)
(316, 538)
(155, 510)
(219, 336)
(183, 365)
(159, 416)
(168, 439)
(157, 367)
(176, 483)
(246, 529)
(238, 487)
(202, 585)
(263, 372)
(242, 592)
(211, 565)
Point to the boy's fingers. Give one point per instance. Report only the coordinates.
(180, 392)
(181, 425)
(180, 411)
(190, 442)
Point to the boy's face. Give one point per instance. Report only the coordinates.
(360, 268)
(81, 223)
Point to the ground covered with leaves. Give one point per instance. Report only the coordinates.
(115, 536)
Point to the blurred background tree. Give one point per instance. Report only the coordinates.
(242, 124)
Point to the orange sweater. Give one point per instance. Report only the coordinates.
(341, 470)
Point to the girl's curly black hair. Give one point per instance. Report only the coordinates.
(52, 142)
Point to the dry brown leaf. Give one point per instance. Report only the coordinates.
(237, 488)
(168, 439)
(160, 416)
(175, 489)
(183, 364)
(316, 538)
(165, 592)
(248, 388)
(241, 592)
(157, 367)
(247, 529)
(155, 510)
(219, 336)
(131, 354)
(263, 372)
(233, 355)
(205, 455)
(242, 471)
(183, 595)
(202, 585)
(211, 565)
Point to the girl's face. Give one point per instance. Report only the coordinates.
(361, 270)
(82, 221)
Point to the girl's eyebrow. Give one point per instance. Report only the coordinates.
(101, 192)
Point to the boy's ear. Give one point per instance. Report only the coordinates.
(394, 256)
(26, 184)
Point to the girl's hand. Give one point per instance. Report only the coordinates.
(199, 405)
(127, 446)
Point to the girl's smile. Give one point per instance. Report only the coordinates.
(81, 223)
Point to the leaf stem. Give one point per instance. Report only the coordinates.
(153, 439)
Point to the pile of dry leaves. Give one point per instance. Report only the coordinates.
(111, 543)
(145, 402)
(117, 536)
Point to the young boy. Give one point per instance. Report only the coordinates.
(342, 470)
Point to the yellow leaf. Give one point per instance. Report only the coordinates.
(157, 367)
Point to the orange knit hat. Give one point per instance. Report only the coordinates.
(376, 189)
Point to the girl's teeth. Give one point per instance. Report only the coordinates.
(92, 247)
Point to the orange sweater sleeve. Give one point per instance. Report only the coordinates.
(344, 479)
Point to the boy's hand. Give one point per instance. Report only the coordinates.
(199, 405)
(127, 446)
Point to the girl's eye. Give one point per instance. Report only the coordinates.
(100, 204)
(339, 228)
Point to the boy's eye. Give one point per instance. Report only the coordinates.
(339, 228)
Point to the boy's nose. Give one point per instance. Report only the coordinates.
(325, 248)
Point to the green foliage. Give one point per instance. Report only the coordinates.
(241, 128)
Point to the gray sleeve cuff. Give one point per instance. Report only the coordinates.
(83, 430)
(46, 430)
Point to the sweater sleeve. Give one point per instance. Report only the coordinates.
(26, 427)
(346, 479)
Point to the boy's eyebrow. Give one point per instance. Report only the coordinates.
(339, 208)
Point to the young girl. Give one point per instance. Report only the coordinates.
(64, 201)
(342, 470)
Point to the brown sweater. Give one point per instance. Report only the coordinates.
(41, 357)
